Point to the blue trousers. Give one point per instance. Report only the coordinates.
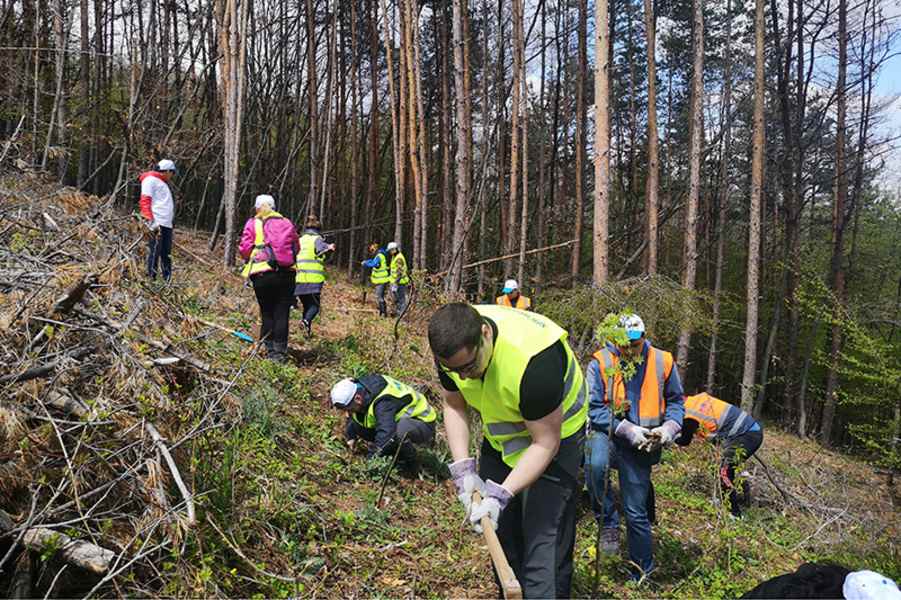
(634, 485)
(158, 252)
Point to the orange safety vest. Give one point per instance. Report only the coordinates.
(522, 303)
(714, 415)
(651, 405)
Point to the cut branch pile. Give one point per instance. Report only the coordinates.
(97, 372)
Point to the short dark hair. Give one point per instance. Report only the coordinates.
(313, 222)
(453, 327)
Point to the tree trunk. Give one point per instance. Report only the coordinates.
(373, 119)
(523, 225)
(354, 135)
(653, 161)
(312, 104)
(694, 178)
(397, 127)
(447, 212)
(750, 365)
(581, 122)
(463, 150)
(601, 142)
(517, 8)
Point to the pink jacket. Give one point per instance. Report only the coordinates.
(279, 233)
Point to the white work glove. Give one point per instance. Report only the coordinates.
(494, 499)
(667, 432)
(632, 433)
(463, 472)
(393, 288)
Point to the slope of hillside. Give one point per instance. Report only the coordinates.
(280, 505)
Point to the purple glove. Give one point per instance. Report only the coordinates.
(632, 433)
(467, 481)
(668, 432)
(495, 498)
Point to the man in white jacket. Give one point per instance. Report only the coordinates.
(158, 208)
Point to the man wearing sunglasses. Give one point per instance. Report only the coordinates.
(516, 369)
(648, 407)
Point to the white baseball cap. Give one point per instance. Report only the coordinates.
(264, 199)
(869, 585)
(633, 325)
(166, 165)
(509, 286)
(343, 392)
(391, 246)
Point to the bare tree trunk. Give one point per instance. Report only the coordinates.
(422, 145)
(601, 142)
(653, 161)
(354, 139)
(581, 121)
(523, 226)
(517, 8)
(332, 31)
(413, 121)
(397, 130)
(750, 366)
(463, 150)
(313, 102)
(722, 199)
(447, 213)
(839, 220)
(369, 205)
(694, 179)
(483, 205)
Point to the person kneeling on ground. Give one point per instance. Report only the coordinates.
(385, 412)
(735, 429)
(826, 580)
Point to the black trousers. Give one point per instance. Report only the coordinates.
(159, 251)
(737, 450)
(537, 530)
(310, 304)
(275, 295)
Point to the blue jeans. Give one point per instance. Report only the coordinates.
(400, 298)
(159, 251)
(634, 484)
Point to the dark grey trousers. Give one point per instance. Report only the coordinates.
(538, 528)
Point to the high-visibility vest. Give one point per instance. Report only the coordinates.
(716, 418)
(309, 264)
(417, 408)
(522, 303)
(398, 266)
(651, 405)
(520, 336)
(379, 272)
(252, 267)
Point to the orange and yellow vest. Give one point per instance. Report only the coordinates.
(651, 405)
(716, 417)
(522, 303)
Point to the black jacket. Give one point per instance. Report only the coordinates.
(385, 410)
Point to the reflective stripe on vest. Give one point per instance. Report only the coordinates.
(715, 415)
(496, 395)
(399, 258)
(252, 267)
(417, 408)
(522, 302)
(309, 265)
(379, 273)
(651, 404)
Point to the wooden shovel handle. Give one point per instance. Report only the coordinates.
(509, 583)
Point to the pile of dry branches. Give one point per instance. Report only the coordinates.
(101, 401)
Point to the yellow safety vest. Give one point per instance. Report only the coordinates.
(520, 336)
(522, 303)
(398, 265)
(309, 264)
(417, 408)
(252, 267)
(379, 273)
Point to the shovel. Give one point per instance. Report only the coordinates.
(509, 583)
(238, 334)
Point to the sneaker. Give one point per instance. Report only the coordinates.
(308, 326)
(610, 540)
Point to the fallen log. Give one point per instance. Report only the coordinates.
(77, 552)
(46, 369)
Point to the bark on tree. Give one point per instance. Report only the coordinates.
(651, 203)
(581, 118)
(757, 165)
(517, 14)
(463, 150)
(601, 142)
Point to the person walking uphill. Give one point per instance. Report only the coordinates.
(269, 244)
(385, 413)
(517, 370)
(379, 275)
(646, 413)
(311, 271)
(400, 276)
(158, 207)
(724, 423)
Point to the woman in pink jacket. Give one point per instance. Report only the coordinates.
(269, 245)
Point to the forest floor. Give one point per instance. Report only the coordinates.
(284, 508)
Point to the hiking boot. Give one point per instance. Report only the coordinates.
(610, 540)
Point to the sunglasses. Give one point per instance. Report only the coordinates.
(468, 367)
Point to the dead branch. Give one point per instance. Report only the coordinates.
(176, 475)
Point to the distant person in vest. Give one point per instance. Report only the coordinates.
(311, 271)
(269, 244)
(379, 275)
(511, 296)
(400, 276)
(518, 372)
(650, 402)
(726, 424)
(158, 208)
(385, 412)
